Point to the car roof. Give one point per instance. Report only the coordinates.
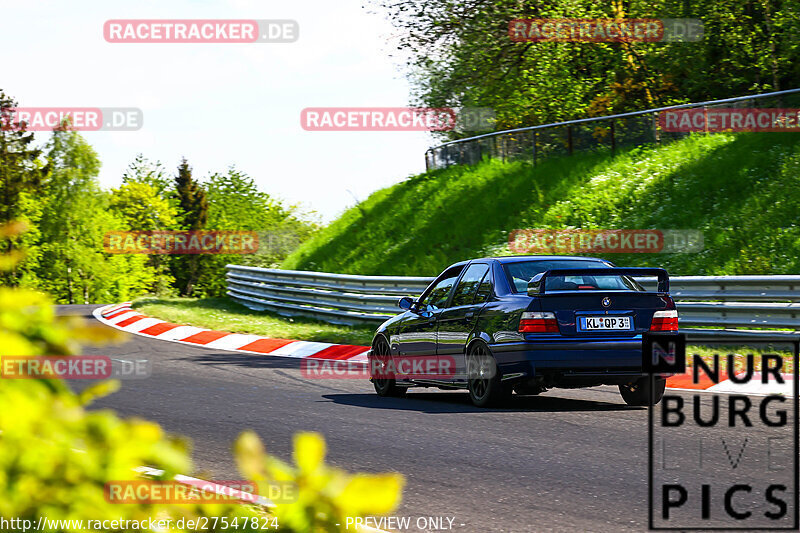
(519, 258)
(505, 259)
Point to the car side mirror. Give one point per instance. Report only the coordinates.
(535, 285)
(405, 303)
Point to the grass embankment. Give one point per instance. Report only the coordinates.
(742, 191)
(223, 314)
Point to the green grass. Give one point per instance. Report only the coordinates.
(225, 315)
(741, 190)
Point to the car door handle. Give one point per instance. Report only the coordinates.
(468, 316)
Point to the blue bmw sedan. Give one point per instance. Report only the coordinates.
(525, 324)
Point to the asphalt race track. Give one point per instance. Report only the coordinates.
(568, 460)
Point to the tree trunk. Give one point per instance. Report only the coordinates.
(69, 284)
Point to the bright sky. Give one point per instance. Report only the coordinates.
(224, 104)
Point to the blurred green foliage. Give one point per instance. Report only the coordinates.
(326, 496)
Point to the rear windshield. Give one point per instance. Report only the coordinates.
(519, 274)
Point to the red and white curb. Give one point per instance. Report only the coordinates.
(755, 386)
(209, 486)
(122, 317)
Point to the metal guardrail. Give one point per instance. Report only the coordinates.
(536, 143)
(735, 306)
(335, 298)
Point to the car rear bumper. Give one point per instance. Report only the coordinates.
(585, 356)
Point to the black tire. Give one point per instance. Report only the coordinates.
(385, 387)
(638, 392)
(483, 378)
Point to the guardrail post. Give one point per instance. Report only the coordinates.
(613, 138)
(534, 147)
(656, 131)
(569, 139)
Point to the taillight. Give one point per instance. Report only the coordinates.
(665, 321)
(536, 322)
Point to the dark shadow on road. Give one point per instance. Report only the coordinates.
(458, 402)
(222, 359)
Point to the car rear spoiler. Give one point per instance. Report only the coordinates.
(536, 286)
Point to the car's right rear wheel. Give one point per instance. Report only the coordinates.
(638, 392)
(484, 381)
(382, 356)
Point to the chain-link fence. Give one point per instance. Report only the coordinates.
(611, 133)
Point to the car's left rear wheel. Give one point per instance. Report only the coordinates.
(484, 381)
(638, 393)
(381, 362)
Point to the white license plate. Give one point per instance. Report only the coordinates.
(599, 323)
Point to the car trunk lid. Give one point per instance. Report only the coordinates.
(600, 302)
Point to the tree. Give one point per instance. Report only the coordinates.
(460, 54)
(193, 206)
(142, 170)
(138, 205)
(236, 203)
(73, 266)
(20, 167)
(21, 176)
(141, 208)
(191, 198)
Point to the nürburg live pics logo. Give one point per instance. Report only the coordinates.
(723, 452)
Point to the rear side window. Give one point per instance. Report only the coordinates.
(468, 286)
